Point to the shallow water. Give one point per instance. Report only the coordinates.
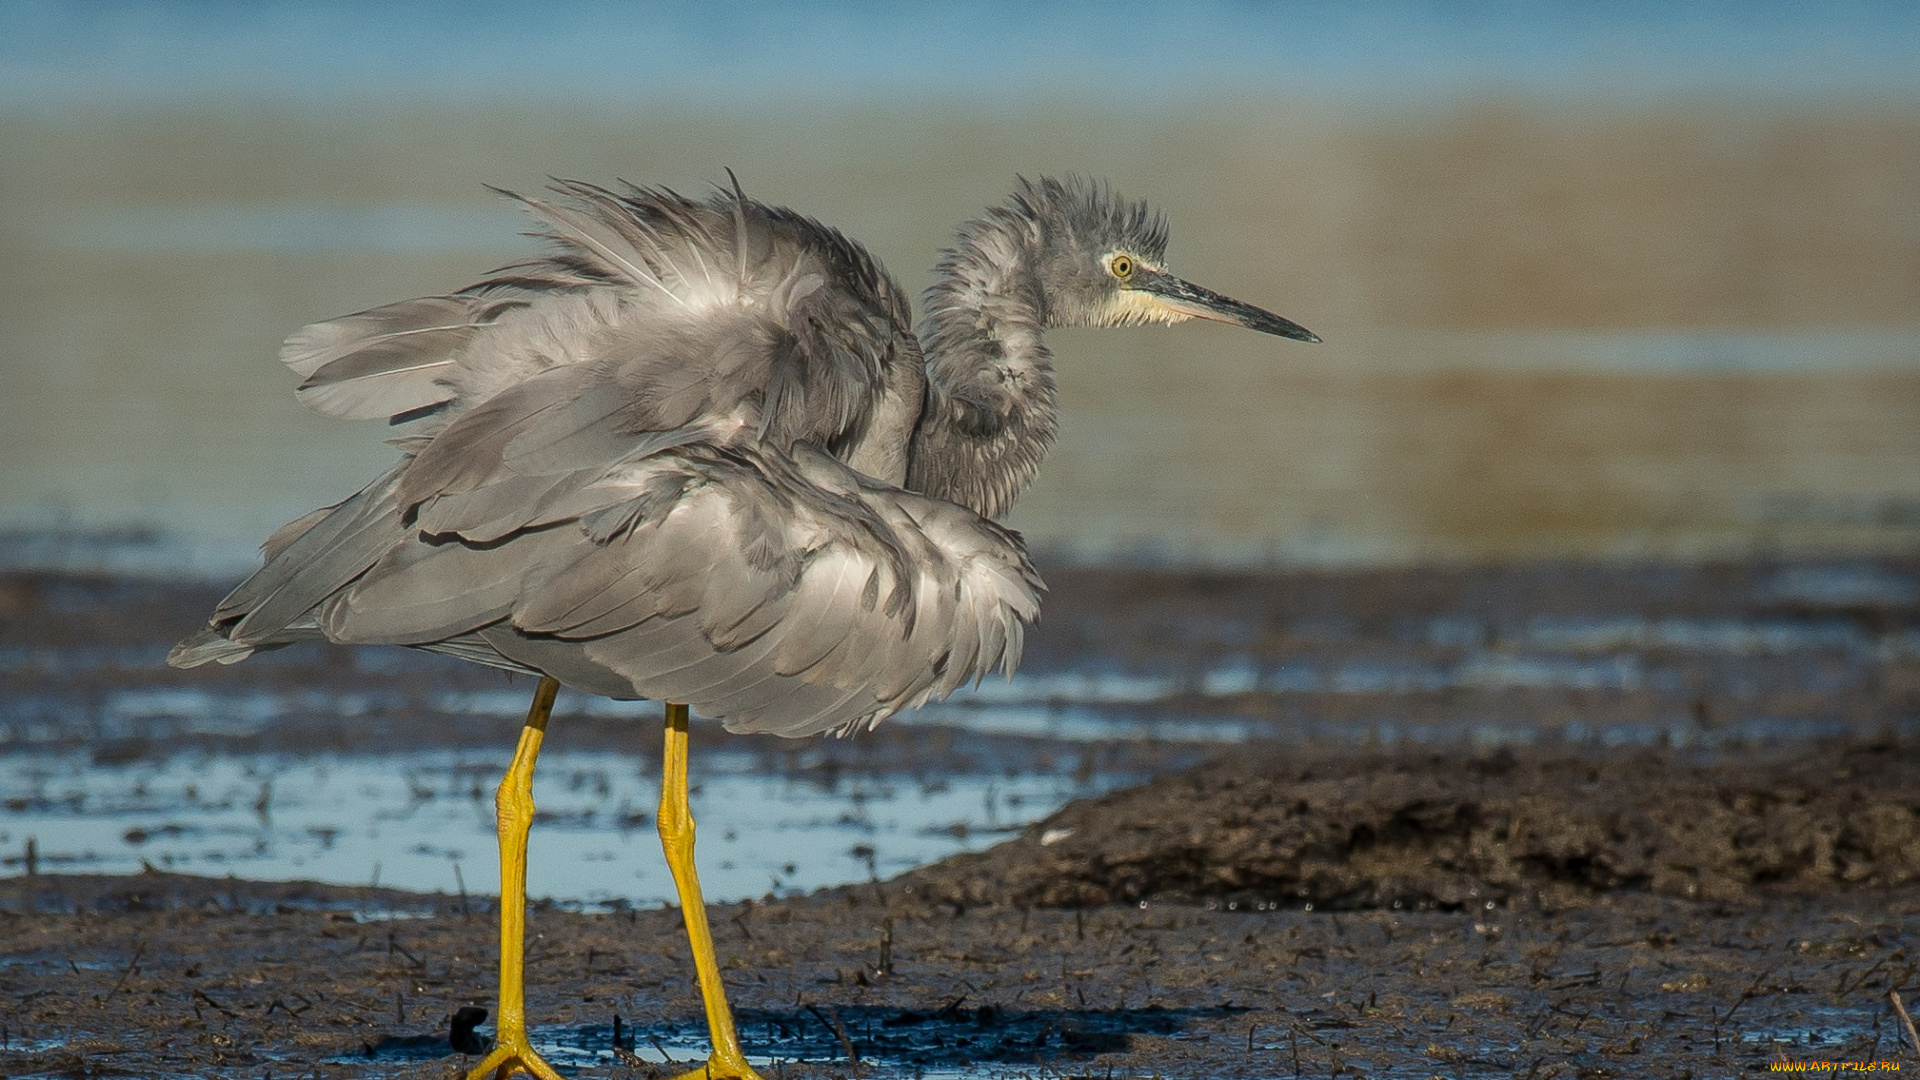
(367, 765)
(898, 1042)
(425, 822)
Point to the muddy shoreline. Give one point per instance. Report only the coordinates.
(1006, 963)
(1720, 655)
(1562, 821)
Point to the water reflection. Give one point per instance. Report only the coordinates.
(425, 821)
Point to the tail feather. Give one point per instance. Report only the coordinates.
(327, 555)
(208, 646)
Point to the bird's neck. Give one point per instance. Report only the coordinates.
(990, 409)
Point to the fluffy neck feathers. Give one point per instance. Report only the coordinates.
(990, 411)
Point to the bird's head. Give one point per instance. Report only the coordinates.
(1098, 261)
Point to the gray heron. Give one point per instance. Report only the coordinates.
(697, 454)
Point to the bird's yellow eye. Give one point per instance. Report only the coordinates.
(1122, 267)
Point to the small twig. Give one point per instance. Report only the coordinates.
(201, 995)
(1862, 980)
(1901, 1008)
(139, 950)
(1900, 980)
(1763, 977)
(839, 1029)
(1311, 1037)
(623, 1045)
(1539, 1020)
(393, 946)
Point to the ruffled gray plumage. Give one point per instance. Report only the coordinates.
(664, 462)
(696, 453)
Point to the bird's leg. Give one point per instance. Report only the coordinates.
(676, 836)
(514, 805)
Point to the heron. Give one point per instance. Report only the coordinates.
(696, 453)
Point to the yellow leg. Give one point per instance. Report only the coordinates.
(514, 804)
(676, 836)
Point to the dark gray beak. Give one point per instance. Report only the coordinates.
(1187, 298)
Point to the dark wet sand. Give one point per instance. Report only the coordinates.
(1181, 626)
(1493, 915)
(1694, 908)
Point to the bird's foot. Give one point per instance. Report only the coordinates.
(722, 1067)
(512, 1053)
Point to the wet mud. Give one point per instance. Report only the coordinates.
(166, 975)
(1486, 861)
(1264, 829)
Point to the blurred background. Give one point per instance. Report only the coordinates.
(1635, 280)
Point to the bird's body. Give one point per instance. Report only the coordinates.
(698, 454)
(664, 463)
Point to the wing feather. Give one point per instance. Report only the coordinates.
(599, 235)
(726, 591)
(425, 589)
(321, 344)
(323, 558)
(390, 360)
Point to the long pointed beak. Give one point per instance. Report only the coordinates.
(1186, 298)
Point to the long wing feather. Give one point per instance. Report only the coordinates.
(389, 360)
(313, 565)
(600, 236)
(314, 347)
